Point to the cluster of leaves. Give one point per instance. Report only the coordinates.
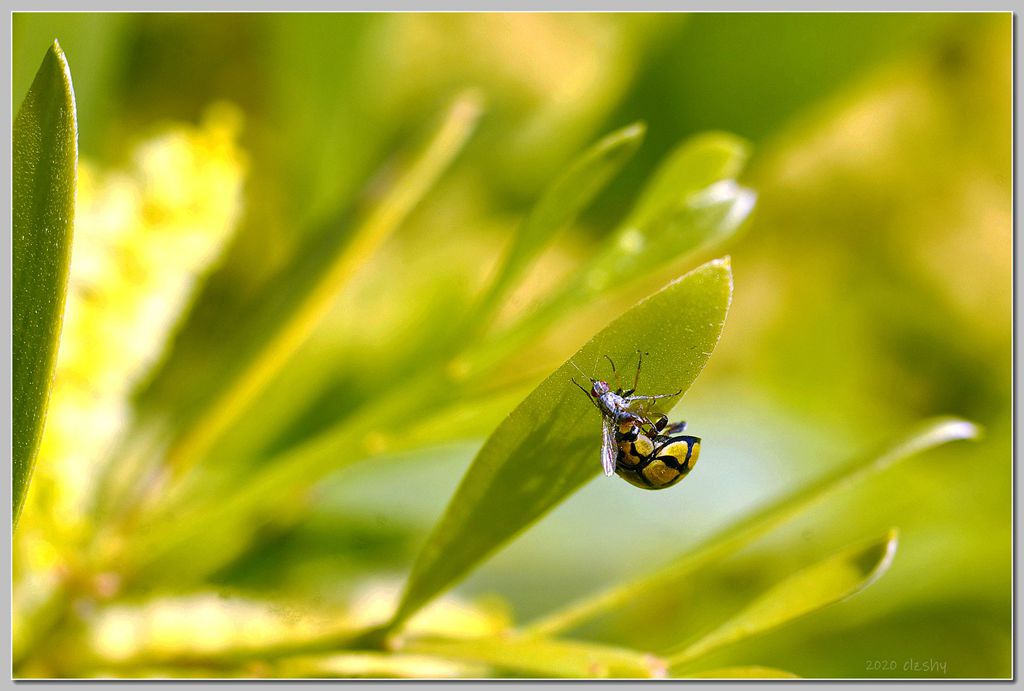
(166, 518)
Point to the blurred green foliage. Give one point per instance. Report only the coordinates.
(873, 289)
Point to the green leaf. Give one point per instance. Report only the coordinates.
(691, 203)
(927, 435)
(693, 165)
(560, 204)
(295, 304)
(45, 174)
(806, 591)
(703, 218)
(752, 672)
(542, 657)
(549, 445)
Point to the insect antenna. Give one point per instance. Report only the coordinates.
(580, 371)
(581, 387)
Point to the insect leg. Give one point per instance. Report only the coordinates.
(618, 382)
(636, 377)
(674, 428)
(655, 397)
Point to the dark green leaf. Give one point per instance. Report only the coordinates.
(45, 173)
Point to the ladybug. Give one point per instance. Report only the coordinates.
(645, 451)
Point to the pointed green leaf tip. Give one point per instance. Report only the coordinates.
(550, 445)
(810, 589)
(45, 139)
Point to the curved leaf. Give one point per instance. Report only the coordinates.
(925, 436)
(693, 165)
(560, 204)
(692, 202)
(702, 218)
(45, 171)
(809, 589)
(549, 445)
(545, 657)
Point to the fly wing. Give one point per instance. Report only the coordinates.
(609, 450)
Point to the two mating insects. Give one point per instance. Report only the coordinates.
(644, 451)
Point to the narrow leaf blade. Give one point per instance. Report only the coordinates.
(292, 305)
(692, 203)
(693, 165)
(560, 204)
(708, 216)
(810, 589)
(549, 445)
(45, 168)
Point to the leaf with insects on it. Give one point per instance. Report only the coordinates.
(544, 657)
(45, 162)
(806, 591)
(923, 437)
(549, 445)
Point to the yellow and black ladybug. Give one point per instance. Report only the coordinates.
(654, 457)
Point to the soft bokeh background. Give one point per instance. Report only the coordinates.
(873, 288)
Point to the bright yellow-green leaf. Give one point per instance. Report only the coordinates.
(692, 202)
(693, 165)
(545, 657)
(927, 435)
(560, 204)
(550, 444)
(707, 216)
(45, 141)
(808, 590)
(752, 672)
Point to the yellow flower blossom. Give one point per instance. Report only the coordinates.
(142, 237)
